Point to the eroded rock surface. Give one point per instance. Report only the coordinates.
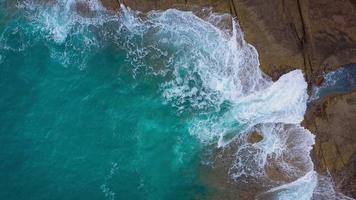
(333, 122)
(310, 35)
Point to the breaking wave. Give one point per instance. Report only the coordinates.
(208, 72)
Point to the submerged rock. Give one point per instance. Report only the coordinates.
(254, 137)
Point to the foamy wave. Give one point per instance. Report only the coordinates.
(207, 72)
(301, 189)
(282, 155)
(284, 101)
(71, 34)
(206, 65)
(216, 73)
(59, 18)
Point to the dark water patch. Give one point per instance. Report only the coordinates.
(341, 80)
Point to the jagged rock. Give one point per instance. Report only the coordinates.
(333, 121)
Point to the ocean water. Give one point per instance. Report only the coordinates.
(341, 80)
(126, 105)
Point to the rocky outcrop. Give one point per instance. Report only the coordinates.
(311, 35)
(277, 30)
(333, 121)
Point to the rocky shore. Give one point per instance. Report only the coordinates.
(333, 122)
(315, 36)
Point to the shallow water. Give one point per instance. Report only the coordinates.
(341, 80)
(127, 106)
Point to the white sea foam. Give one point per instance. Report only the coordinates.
(71, 36)
(105, 187)
(281, 102)
(210, 72)
(284, 101)
(60, 18)
(325, 189)
(207, 65)
(210, 67)
(284, 147)
(301, 189)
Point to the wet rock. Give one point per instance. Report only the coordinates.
(111, 4)
(333, 121)
(83, 8)
(310, 35)
(144, 6)
(319, 80)
(218, 177)
(254, 137)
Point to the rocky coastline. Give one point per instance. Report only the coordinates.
(315, 36)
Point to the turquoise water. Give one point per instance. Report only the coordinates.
(125, 105)
(72, 133)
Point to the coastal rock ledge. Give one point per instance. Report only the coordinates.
(333, 122)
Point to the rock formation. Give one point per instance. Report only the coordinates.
(333, 122)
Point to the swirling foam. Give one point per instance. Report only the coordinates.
(208, 72)
(217, 73)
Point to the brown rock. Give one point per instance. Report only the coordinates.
(219, 179)
(83, 8)
(319, 80)
(335, 147)
(145, 6)
(254, 137)
(111, 4)
(305, 34)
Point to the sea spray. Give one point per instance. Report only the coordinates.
(209, 75)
